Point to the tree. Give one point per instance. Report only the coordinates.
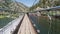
(57, 3)
(45, 3)
(6, 3)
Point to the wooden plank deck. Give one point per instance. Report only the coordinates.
(26, 27)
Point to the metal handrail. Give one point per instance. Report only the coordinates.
(11, 24)
(44, 9)
(49, 9)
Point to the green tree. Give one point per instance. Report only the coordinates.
(45, 3)
(6, 3)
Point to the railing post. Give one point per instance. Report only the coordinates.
(50, 22)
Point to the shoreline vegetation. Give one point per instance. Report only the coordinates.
(2, 16)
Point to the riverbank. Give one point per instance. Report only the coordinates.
(2, 16)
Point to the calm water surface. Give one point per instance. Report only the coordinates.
(42, 24)
(4, 21)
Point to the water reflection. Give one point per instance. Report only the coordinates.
(43, 23)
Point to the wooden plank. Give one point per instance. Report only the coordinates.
(26, 27)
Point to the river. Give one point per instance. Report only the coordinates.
(4, 21)
(42, 24)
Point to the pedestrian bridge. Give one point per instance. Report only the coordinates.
(21, 25)
(24, 25)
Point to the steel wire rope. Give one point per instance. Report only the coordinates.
(33, 3)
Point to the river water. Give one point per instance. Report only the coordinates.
(4, 21)
(42, 30)
(43, 23)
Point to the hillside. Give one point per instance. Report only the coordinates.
(13, 6)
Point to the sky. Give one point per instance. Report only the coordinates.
(28, 3)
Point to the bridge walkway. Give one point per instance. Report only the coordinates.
(26, 27)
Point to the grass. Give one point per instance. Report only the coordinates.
(2, 16)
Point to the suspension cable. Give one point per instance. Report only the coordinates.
(33, 2)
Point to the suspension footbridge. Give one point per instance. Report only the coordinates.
(27, 23)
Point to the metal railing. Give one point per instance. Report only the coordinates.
(11, 26)
(51, 21)
(51, 24)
